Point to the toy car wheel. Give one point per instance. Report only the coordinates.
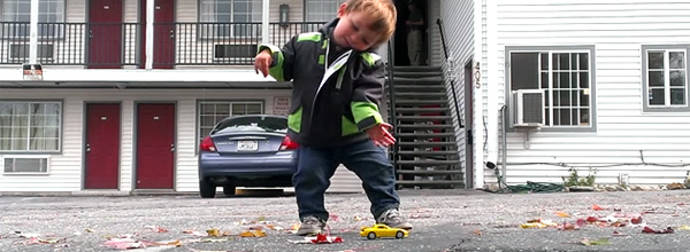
(399, 235)
(229, 190)
(371, 236)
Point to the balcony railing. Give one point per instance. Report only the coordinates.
(113, 45)
(71, 43)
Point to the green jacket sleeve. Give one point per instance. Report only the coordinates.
(282, 60)
(367, 93)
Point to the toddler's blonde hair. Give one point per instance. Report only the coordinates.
(382, 11)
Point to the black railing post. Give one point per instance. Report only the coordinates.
(391, 97)
(452, 83)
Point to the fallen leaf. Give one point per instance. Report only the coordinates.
(214, 232)
(477, 232)
(636, 220)
(253, 233)
(333, 217)
(684, 228)
(592, 219)
(322, 238)
(649, 230)
(123, 243)
(616, 233)
(596, 207)
(194, 233)
(562, 214)
(580, 222)
(357, 218)
(600, 241)
(156, 229)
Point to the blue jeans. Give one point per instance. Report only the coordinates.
(317, 165)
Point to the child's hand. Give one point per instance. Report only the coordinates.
(262, 62)
(380, 135)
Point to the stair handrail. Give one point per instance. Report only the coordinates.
(391, 97)
(452, 83)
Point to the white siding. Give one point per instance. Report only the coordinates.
(65, 169)
(458, 26)
(626, 137)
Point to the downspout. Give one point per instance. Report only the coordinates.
(492, 84)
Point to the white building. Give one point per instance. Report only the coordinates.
(614, 79)
(129, 87)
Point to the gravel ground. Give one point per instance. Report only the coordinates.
(444, 220)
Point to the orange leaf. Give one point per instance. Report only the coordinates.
(477, 232)
(562, 214)
(596, 207)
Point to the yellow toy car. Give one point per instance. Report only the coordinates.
(381, 230)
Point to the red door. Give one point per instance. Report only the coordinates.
(102, 149)
(163, 34)
(105, 33)
(155, 146)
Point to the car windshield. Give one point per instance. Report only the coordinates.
(251, 123)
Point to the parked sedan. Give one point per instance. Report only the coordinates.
(251, 151)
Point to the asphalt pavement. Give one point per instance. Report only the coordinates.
(444, 220)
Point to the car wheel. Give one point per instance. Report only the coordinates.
(229, 190)
(399, 235)
(207, 189)
(371, 236)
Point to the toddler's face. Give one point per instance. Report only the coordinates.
(352, 31)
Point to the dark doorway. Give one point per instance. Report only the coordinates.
(402, 30)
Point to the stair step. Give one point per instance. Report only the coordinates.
(424, 126)
(423, 118)
(420, 87)
(418, 81)
(420, 94)
(431, 182)
(430, 162)
(421, 110)
(426, 153)
(426, 135)
(416, 74)
(429, 172)
(416, 69)
(408, 102)
(427, 144)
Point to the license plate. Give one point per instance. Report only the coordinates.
(247, 146)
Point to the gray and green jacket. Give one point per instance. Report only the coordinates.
(338, 111)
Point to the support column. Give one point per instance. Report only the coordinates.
(150, 14)
(33, 35)
(478, 105)
(264, 22)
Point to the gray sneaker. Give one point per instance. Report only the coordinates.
(393, 218)
(311, 225)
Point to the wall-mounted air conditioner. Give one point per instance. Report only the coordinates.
(528, 107)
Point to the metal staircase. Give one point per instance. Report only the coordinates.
(425, 155)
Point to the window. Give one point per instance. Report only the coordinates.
(49, 11)
(320, 10)
(230, 18)
(665, 78)
(565, 75)
(30, 126)
(25, 165)
(212, 112)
